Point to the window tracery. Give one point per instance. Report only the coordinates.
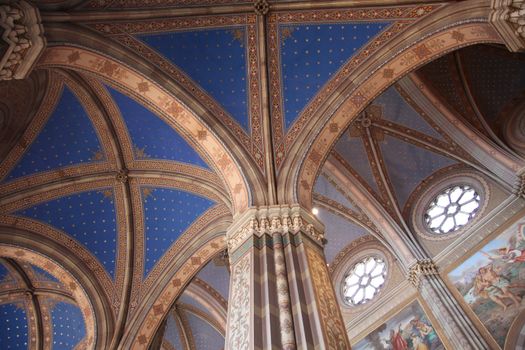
(364, 280)
(452, 209)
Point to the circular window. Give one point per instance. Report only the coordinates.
(452, 209)
(362, 283)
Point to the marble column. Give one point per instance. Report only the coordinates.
(281, 295)
(458, 328)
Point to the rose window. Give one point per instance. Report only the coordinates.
(452, 209)
(364, 280)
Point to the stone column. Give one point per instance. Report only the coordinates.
(281, 295)
(458, 328)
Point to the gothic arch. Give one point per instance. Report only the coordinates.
(71, 272)
(458, 26)
(242, 181)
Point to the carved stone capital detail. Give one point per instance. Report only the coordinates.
(21, 41)
(508, 17)
(424, 267)
(279, 219)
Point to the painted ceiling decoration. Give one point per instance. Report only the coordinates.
(68, 138)
(150, 136)
(204, 54)
(134, 162)
(168, 213)
(393, 147)
(88, 217)
(334, 42)
(61, 319)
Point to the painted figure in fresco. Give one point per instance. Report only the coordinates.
(397, 341)
(513, 252)
(417, 342)
(489, 284)
(426, 333)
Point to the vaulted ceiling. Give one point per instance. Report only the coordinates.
(96, 164)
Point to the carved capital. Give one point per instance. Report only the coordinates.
(508, 17)
(271, 220)
(424, 267)
(22, 39)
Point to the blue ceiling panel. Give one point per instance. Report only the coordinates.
(205, 336)
(311, 54)
(68, 326)
(353, 151)
(168, 213)
(89, 217)
(68, 138)
(4, 273)
(152, 138)
(171, 333)
(43, 275)
(215, 59)
(408, 165)
(397, 110)
(14, 333)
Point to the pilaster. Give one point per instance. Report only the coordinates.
(281, 292)
(459, 330)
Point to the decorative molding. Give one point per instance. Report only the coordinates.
(508, 18)
(424, 267)
(280, 219)
(23, 35)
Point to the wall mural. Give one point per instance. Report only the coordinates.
(410, 329)
(492, 281)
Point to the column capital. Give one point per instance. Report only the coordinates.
(21, 40)
(280, 219)
(508, 18)
(424, 267)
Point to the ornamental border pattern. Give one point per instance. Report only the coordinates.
(167, 106)
(133, 4)
(142, 286)
(55, 88)
(238, 335)
(126, 145)
(139, 291)
(122, 32)
(412, 57)
(67, 280)
(147, 328)
(403, 15)
(329, 314)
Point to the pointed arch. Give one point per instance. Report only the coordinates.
(71, 272)
(451, 28)
(243, 185)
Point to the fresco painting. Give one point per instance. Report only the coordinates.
(410, 329)
(492, 281)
